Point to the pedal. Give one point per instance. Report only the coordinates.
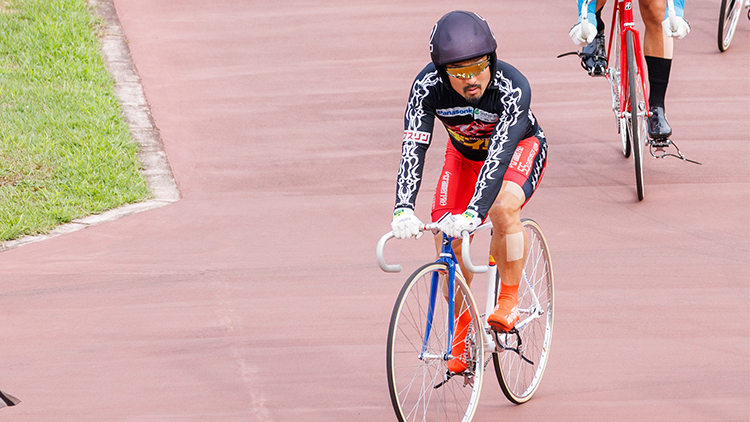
(507, 343)
(660, 143)
(594, 71)
(448, 375)
(468, 379)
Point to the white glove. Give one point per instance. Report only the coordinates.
(454, 225)
(577, 37)
(405, 223)
(682, 27)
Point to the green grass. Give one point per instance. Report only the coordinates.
(65, 147)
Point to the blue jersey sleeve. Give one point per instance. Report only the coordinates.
(590, 11)
(679, 8)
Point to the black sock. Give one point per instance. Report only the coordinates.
(599, 22)
(658, 79)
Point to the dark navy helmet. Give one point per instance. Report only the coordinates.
(459, 36)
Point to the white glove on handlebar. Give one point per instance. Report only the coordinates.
(454, 225)
(405, 223)
(682, 27)
(576, 33)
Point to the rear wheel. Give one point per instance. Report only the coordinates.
(420, 385)
(523, 353)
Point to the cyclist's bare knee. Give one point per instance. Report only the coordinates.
(652, 12)
(505, 212)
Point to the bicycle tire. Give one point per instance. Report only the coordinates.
(729, 15)
(519, 378)
(416, 382)
(637, 105)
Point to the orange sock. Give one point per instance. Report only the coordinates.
(508, 294)
(506, 313)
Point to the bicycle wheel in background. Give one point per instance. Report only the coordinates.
(522, 358)
(637, 125)
(728, 17)
(420, 385)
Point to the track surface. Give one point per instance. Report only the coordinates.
(256, 297)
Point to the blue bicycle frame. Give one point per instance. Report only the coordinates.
(448, 257)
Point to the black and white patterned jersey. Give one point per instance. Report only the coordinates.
(489, 131)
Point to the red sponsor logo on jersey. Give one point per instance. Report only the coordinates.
(417, 136)
(474, 135)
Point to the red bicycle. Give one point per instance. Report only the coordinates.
(628, 87)
(625, 73)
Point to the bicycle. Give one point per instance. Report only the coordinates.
(729, 15)
(625, 74)
(421, 332)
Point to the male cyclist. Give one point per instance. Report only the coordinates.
(657, 47)
(494, 159)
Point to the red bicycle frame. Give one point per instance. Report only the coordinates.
(626, 24)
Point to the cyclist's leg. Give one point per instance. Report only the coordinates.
(452, 195)
(506, 220)
(658, 49)
(508, 246)
(461, 327)
(509, 242)
(655, 42)
(599, 21)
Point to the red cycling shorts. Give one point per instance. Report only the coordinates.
(458, 178)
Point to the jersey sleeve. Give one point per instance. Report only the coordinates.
(679, 9)
(513, 126)
(590, 9)
(419, 120)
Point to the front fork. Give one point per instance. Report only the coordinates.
(448, 257)
(621, 93)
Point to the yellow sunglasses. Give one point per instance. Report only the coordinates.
(468, 72)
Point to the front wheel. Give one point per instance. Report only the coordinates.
(522, 357)
(729, 14)
(420, 384)
(637, 125)
(615, 74)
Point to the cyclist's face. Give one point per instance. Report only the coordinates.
(470, 77)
